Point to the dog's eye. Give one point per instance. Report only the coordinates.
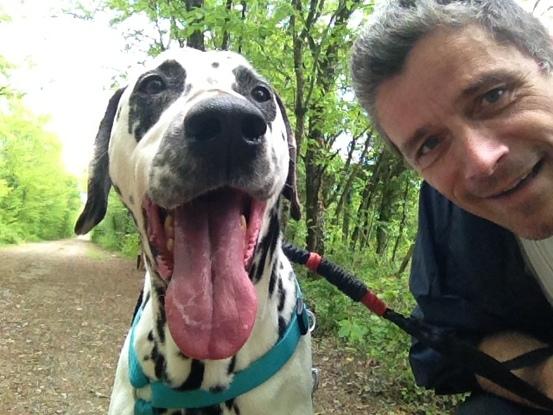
(152, 84)
(261, 94)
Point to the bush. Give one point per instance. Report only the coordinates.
(117, 231)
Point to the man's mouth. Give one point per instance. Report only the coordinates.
(203, 249)
(521, 182)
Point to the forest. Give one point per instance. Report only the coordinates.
(359, 202)
(38, 198)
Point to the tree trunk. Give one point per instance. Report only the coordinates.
(386, 211)
(405, 260)
(345, 189)
(226, 35)
(196, 39)
(323, 80)
(403, 218)
(361, 231)
(313, 205)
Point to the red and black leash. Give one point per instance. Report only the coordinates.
(447, 344)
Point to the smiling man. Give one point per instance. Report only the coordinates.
(463, 91)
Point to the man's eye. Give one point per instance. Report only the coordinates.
(428, 145)
(493, 96)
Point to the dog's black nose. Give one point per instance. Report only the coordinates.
(225, 117)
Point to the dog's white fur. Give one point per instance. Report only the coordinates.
(130, 170)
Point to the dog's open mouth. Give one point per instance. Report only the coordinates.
(204, 249)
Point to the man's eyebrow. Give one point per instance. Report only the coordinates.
(408, 147)
(487, 79)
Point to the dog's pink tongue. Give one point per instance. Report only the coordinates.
(210, 302)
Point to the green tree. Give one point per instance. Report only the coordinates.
(302, 47)
(38, 199)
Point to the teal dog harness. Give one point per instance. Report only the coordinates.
(259, 371)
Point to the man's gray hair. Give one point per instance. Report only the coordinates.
(380, 51)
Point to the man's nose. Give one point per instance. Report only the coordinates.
(483, 153)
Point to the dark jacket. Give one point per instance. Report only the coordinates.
(468, 276)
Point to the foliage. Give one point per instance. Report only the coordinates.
(38, 199)
(371, 336)
(302, 48)
(117, 231)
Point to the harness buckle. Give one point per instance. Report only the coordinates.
(302, 316)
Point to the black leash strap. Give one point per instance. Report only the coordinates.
(459, 351)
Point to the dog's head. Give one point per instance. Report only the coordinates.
(199, 148)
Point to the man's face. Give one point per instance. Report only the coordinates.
(475, 118)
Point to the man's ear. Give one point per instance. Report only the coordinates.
(290, 190)
(99, 182)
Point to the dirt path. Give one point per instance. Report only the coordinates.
(65, 308)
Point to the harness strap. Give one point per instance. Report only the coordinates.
(258, 372)
(471, 358)
(529, 359)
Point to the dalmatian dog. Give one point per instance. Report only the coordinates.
(199, 149)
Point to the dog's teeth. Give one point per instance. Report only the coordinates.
(170, 244)
(169, 226)
(243, 224)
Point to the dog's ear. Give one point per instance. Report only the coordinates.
(290, 190)
(99, 182)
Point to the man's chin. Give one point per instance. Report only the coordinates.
(535, 232)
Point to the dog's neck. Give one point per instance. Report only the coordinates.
(274, 282)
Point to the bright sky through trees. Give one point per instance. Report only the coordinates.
(66, 66)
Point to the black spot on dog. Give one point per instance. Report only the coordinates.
(230, 404)
(281, 296)
(159, 411)
(195, 378)
(160, 324)
(267, 246)
(272, 280)
(131, 201)
(161, 319)
(291, 276)
(217, 389)
(281, 326)
(215, 64)
(159, 363)
(212, 410)
(147, 298)
(231, 365)
(146, 105)
(151, 336)
(246, 81)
